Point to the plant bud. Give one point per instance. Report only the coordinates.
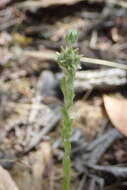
(71, 36)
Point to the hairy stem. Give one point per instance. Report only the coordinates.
(68, 91)
(69, 61)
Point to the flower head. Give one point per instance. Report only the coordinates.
(71, 36)
(69, 58)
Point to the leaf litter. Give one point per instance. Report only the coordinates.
(30, 98)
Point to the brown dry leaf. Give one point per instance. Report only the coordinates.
(116, 109)
(114, 34)
(6, 182)
(42, 166)
(3, 3)
(36, 170)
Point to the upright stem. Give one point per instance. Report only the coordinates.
(67, 84)
(69, 61)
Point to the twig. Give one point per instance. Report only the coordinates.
(100, 145)
(29, 4)
(51, 56)
(98, 79)
(103, 62)
(81, 185)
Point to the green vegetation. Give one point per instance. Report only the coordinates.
(69, 61)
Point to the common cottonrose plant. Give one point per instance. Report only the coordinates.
(69, 62)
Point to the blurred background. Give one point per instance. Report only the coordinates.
(31, 152)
